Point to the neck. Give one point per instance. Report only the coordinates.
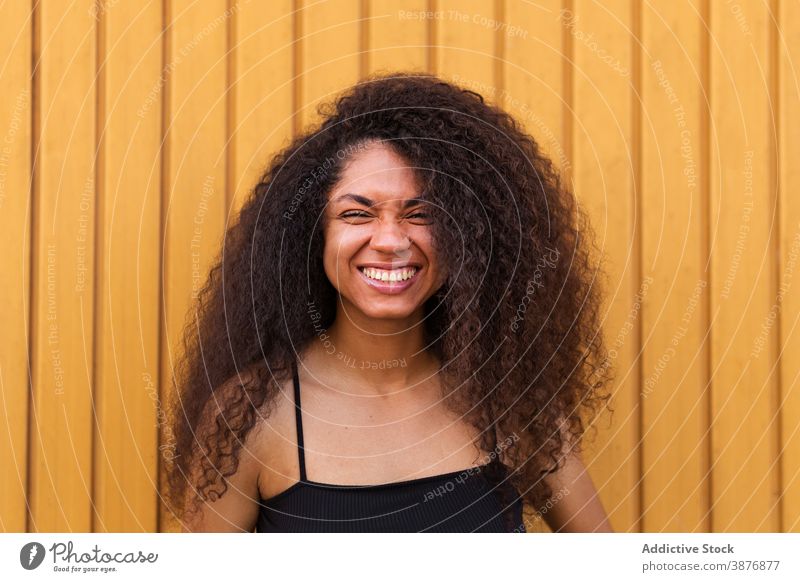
(374, 357)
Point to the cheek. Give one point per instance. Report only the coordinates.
(340, 247)
(439, 274)
(438, 269)
(425, 242)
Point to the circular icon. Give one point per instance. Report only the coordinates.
(31, 555)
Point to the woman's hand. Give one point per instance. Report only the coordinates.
(574, 506)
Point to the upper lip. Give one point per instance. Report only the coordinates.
(390, 266)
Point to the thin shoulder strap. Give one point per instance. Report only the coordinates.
(301, 454)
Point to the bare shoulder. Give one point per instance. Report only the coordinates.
(272, 436)
(276, 444)
(260, 456)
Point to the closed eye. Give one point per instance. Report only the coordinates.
(423, 217)
(420, 217)
(354, 214)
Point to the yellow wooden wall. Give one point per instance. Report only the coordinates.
(131, 130)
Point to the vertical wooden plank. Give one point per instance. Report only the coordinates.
(127, 403)
(673, 395)
(465, 44)
(533, 79)
(744, 390)
(63, 273)
(398, 35)
(787, 297)
(15, 177)
(262, 93)
(603, 158)
(534, 92)
(330, 60)
(194, 162)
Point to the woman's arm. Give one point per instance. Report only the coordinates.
(574, 506)
(237, 509)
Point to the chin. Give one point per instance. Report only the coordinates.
(379, 314)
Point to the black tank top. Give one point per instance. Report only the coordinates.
(459, 501)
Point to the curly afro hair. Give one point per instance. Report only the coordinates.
(516, 326)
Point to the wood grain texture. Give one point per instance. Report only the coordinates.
(786, 51)
(128, 268)
(15, 226)
(744, 385)
(673, 391)
(63, 307)
(604, 142)
(194, 173)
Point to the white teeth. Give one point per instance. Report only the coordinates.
(390, 276)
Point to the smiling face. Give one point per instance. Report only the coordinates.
(378, 243)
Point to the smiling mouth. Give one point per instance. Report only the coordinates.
(389, 275)
(390, 281)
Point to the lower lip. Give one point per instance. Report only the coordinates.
(390, 287)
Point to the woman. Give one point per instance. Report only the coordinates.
(417, 267)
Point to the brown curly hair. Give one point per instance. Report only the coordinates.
(516, 326)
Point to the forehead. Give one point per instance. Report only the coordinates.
(377, 171)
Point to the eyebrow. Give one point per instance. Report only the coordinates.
(367, 202)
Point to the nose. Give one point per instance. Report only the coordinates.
(389, 237)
